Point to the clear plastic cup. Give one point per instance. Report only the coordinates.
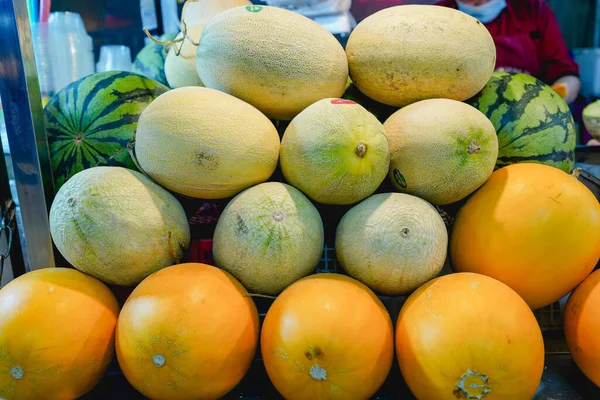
(70, 48)
(114, 57)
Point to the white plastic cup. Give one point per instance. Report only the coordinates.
(114, 57)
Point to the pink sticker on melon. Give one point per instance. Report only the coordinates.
(342, 101)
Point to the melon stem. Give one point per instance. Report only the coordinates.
(473, 148)
(17, 372)
(361, 150)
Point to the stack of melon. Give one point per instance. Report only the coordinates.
(526, 235)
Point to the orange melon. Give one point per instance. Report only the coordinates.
(186, 332)
(57, 331)
(468, 336)
(582, 326)
(327, 337)
(531, 226)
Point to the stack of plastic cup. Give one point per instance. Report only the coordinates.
(71, 49)
(114, 57)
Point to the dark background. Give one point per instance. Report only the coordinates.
(119, 21)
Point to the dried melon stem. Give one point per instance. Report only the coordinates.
(361, 150)
(472, 385)
(473, 148)
(174, 41)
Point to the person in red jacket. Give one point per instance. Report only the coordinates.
(526, 33)
(528, 39)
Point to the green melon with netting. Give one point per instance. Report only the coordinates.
(150, 61)
(90, 122)
(533, 122)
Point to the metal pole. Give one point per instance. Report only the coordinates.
(29, 152)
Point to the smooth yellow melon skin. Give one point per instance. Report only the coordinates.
(336, 152)
(204, 143)
(404, 54)
(117, 225)
(180, 70)
(392, 242)
(200, 12)
(277, 60)
(441, 150)
(268, 237)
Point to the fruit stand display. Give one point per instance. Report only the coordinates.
(258, 212)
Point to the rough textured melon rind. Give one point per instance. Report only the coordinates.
(319, 152)
(404, 54)
(392, 242)
(277, 60)
(117, 225)
(441, 150)
(203, 143)
(268, 237)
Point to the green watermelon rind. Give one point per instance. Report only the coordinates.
(90, 122)
(150, 61)
(533, 122)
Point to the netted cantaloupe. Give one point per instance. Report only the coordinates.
(335, 151)
(441, 150)
(117, 225)
(180, 65)
(408, 53)
(277, 60)
(392, 242)
(268, 237)
(204, 143)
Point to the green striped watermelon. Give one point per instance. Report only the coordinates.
(90, 121)
(532, 121)
(150, 61)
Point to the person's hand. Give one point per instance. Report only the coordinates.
(568, 87)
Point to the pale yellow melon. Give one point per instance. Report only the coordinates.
(441, 150)
(335, 151)
(204, 143)
(408, 53)
(268, 237)
(277, 60)
(180, 69)
(117, 225)
(392, 242)
(199, 12)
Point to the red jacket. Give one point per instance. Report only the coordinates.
(526, 33)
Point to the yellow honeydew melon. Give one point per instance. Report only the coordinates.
(441, 150)
(335, 151)
(408, 53)
(277, 60)
(204, 143)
